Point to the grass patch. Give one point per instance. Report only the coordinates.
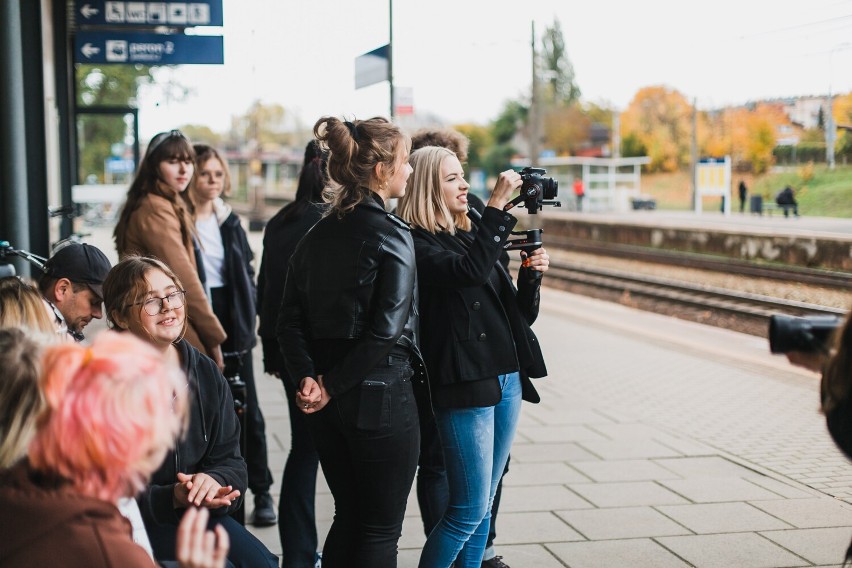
(820, 192)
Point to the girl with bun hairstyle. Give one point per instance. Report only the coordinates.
(346, 329)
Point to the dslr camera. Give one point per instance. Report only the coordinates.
(808, 333)
(536, 190)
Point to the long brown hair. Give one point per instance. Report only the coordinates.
(355, 148)
(164, 146)
(837, 378)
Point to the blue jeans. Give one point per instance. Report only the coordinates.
(476, 444)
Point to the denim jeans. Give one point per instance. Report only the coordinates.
(368, 440)
(296, 515)
(476, 444)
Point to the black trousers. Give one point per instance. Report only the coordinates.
(259, 476)
(368, 441)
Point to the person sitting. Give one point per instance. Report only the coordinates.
(786, 199)
(144, 296)
(91, 448)
(73, 282)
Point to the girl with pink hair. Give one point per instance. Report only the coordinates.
(112, 411)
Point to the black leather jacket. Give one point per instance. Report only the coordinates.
(350, 296)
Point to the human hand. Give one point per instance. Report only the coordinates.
(202, 490)
(537, 260)
(215, 353)
(811, 360)
(312, 396)
(507, 183)
(196, 546)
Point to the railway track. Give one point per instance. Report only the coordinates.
(803, 275)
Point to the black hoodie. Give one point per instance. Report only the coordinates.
(210, 445)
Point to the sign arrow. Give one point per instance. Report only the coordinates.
(89, 50)
(87, 12)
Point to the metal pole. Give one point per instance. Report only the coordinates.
(534, 103)
(693, 156)
(390, 59)
(13, 157)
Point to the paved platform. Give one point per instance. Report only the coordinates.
(657, 443)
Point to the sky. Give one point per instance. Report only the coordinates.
(464, 58)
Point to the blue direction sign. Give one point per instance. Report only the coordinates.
(147, 49)
(162, 13)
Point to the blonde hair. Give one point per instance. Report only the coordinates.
(423, 204)
(22, 305)
(21, 398)
(113, 411)
(355, 148)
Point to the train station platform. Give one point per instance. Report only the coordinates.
(658, 443)
(816, 242)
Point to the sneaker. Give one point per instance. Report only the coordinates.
(496, 562)
(264, 511)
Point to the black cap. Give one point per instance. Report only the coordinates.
(80, 263)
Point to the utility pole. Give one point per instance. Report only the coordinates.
(830, 132)
(534, 109)
(390, 60)
(693, 155)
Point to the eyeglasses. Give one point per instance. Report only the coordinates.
(162, 137)
(154, 306)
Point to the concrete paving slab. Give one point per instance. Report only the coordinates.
(530, 474)
(540, 453)
(722, 518)
(820, 546)
(707, 466)
(538, 527)
(635, 553)
(541, 498)
(622, 523)
(560, 433)
(717, 489)
(623, 470)
(808, 513)
(626, 494)
(628, 449)
(740, 550)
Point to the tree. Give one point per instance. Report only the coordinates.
(566, 128)
(480, 140)
(659, 119)
(561, 86)
(266, 125)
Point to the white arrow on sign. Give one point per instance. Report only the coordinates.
(89, 50)
(88, 11)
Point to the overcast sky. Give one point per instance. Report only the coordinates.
(464, 58)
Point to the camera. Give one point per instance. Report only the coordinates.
(536, 190)
(808, 333)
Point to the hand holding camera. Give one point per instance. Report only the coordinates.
(507, 183)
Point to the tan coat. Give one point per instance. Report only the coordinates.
(154, 230)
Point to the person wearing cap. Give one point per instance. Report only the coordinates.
(73, 282)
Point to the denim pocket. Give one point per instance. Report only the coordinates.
(373, 406)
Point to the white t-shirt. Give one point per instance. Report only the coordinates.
(130, 509)
(212, 251)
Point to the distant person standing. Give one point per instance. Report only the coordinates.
(786, 199)
(296, 511)
(743, 191)
(579, 192)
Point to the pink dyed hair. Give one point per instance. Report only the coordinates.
(113, 410)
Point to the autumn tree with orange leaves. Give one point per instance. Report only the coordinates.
(658, 121)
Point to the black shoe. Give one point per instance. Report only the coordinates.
(264, 511)
(496, 562)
